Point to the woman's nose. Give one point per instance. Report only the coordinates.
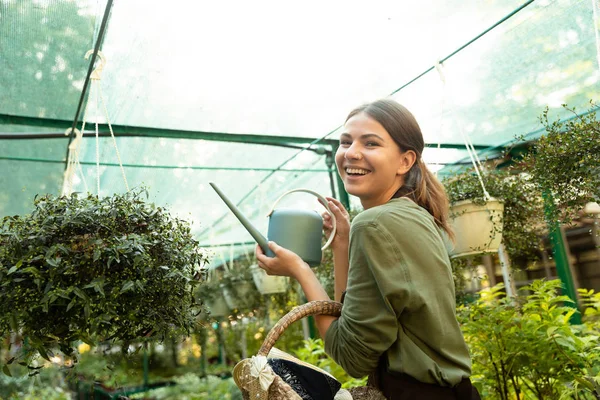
(353, 153)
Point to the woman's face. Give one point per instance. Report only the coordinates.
(369, 161)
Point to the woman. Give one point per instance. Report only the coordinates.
(392, 271)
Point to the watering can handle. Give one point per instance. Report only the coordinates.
(323, 201)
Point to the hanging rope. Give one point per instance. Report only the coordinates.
(99, 98)
(438, 67)
(72, 162)
(97, 146)
(469, 146)
(112, 135)
(596, 25)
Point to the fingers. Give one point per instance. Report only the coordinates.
(258, 251)
(340, 213)
(274, 247)
(336, 202)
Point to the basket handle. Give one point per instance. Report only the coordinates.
(319, 307)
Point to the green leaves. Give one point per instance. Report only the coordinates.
(127, 286)
(84, 268)
(565, 161)
(526, 345)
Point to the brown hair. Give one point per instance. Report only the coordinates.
(419, 183)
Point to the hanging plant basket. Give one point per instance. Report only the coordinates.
(267, 284)
(477, 227)
(84, 268)
(218, 306)
(210, 294)
(238, 294)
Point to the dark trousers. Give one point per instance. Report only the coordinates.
(404, 387)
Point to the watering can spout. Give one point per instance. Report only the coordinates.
(299, 231)
(260, 239)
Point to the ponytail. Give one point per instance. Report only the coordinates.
(425, 189)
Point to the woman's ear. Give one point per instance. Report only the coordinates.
(406, 162)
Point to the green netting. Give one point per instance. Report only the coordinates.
(287, 73)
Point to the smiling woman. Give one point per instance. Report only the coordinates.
(398, 322)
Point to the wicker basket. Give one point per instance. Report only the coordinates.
(249, 383)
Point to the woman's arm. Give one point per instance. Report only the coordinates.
(313, 290)
(340, 272)
(288, 263)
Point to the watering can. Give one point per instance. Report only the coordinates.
(297, 230)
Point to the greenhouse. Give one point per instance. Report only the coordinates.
(126, 128)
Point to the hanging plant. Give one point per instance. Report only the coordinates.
(565, 162)
(523, 218)
(238, 286)
(210, 295)
(84, 268)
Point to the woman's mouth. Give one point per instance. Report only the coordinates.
(356, 172)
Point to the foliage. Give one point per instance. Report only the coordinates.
(523, 209)
(566, 162)
(192, 387)
(313, 352)
(590, 302)
(48, 385)
(84, 268)
(526, 348)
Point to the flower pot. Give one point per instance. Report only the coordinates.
(267, 284)
(477, 228)
(218, 307)
(237, 294)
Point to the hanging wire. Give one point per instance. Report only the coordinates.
(596, 25)
(112, 135)
(470, 149)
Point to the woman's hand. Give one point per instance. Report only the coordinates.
(342, 219)
(285, 262)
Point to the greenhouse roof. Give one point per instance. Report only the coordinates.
(250, 95)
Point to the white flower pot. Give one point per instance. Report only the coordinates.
(237, 297)
(218, 307)
(477, 229)
(267, 284)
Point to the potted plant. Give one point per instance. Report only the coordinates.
(267, 284)
(519, 224)
(475, 218)
(211, 295)
(565, 163)
(237, 286)
(81, 268)
(522, 221)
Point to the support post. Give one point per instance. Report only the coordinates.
(486, 259)
(344, 198)
(146, 365)
(561, 259)
(509, 283)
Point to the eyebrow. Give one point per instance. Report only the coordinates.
(365, 136)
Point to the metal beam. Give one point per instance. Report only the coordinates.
(137, 131)
(124, 130)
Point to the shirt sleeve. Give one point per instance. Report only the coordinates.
(377, 287)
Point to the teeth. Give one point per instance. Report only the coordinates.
(357, 171)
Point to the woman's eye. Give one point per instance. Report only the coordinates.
(372, 144)
(345, 143)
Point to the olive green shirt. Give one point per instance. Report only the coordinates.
(399, 299)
